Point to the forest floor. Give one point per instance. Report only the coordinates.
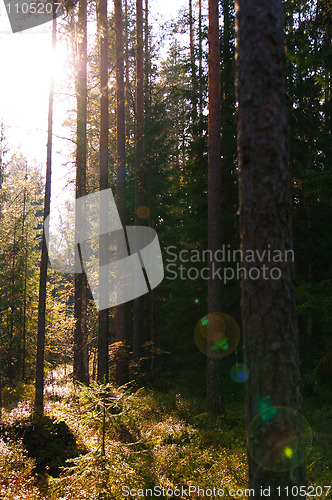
(135, 440)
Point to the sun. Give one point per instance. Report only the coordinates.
(28, 61)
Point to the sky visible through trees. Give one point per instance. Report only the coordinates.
(171, 327)
(24, 90)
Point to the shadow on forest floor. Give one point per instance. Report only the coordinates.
(138, 439)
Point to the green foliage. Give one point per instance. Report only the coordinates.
(152, 439)
(308, 55)
(105, 407)
(16, 481)
(148, 437)
(20, 213)
(169, 444)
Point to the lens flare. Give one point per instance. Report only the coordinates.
(239, 373)
(288, 452)
(279, 438)
(221, 344)
(143, 212)
(217, 335)
(204, 321)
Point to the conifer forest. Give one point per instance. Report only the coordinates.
(165, 249)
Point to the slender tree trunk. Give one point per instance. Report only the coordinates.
(268, 305)
(2, 137)
(121, 373)
(152, 337)
(126, 49)
(126, 70)
(25, 309)
(146, 57)
(310, 275)
(229, 194)
(150, 305)
(139, 177)
(214, 395)
(192, 65)
(200, 64)
(0, 389)
(94, 364)
(12, 287)
(39, 384)
(103, 145)
(81, 358)
(24, 236)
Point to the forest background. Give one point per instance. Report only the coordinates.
(158, 401)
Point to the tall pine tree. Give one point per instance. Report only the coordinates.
(268, 305)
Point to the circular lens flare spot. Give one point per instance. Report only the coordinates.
(143, 212)
(217, 335)
(288, 452)
(239, 373)
(279, 438)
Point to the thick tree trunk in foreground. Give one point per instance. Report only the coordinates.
(39, 383)
(268, 305)
(139, 174)
(214, 397)
(103, 153)
(81, 359)
(121, 374)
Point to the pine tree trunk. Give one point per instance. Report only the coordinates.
(229, 194)
(150, 302)
(139, 177)
(146, 59)
(268, 305)
(39, 383)
(103, 150)
(12, 287)
(0, 389)
(1, 154)
(192, 65)
(81, 359)
(25, 273)
(126, 49)
(200, 65)
(214, 396)
(121, 373)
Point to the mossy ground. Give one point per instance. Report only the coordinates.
(152, 438)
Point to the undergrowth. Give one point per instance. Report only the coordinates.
(140, 439)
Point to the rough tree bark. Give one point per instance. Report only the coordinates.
(139, 174)
(102, 374)
(268, 305)
(121, 373)
(214, 396)
(81, 359)
(229, 194)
